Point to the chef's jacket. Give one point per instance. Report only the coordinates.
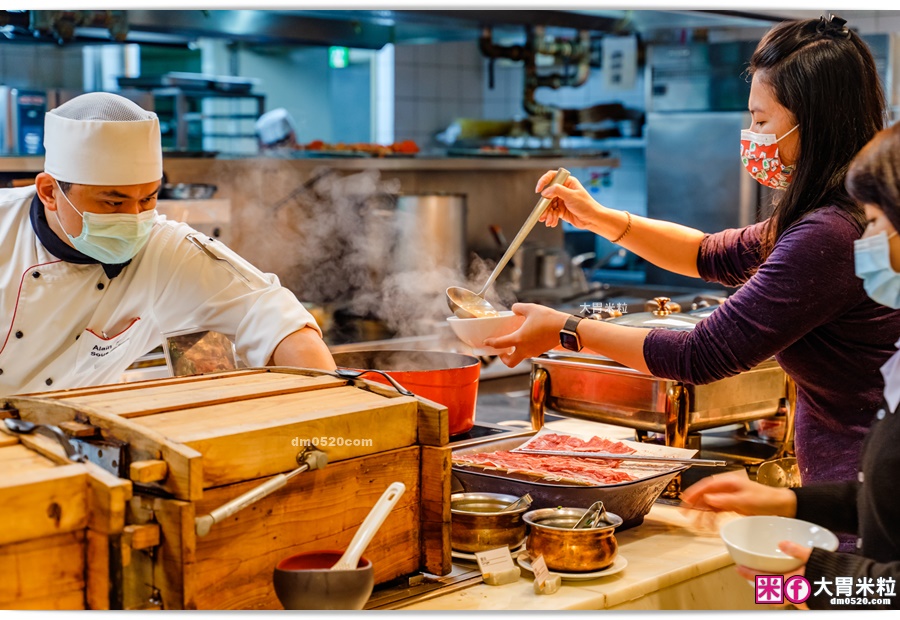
(69, 325)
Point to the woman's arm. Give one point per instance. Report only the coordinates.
(540, 333)
(667, 245)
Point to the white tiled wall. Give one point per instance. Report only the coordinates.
(433, 85)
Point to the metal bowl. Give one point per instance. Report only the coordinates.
(550, 534)
(187, 191)
(477, 523)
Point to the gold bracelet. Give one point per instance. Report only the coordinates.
(627, 229)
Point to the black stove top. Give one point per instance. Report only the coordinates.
(485, 431)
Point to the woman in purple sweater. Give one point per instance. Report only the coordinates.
(869, 504)
(815, 101)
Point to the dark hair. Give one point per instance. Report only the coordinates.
(64, 186)
(874, 175)
(824, 74)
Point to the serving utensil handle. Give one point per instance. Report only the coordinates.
(561, 175)
(370, 526)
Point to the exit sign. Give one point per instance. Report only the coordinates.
(338, 57)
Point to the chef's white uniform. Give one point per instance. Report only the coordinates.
(64, 325)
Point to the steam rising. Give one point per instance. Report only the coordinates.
(335, 241)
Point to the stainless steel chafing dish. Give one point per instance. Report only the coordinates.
(596, 388)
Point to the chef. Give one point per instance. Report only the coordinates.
(277, 133)
(91, 277)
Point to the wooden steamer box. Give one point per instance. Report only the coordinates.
(61, 527)
(192, 444)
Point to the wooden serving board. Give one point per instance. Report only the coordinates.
(54, 514)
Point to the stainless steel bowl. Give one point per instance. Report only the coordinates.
(478, 522)
(187, 191)
(550, 534)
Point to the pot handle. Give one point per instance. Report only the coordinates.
(346, 373)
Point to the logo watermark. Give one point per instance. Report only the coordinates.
(330, 441)
(769, 589)
(774, 590)
(597, 307)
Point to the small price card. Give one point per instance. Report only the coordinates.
(495, 560)
(540, 570)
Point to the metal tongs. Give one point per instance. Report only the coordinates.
(525, 500)
(628, 457)
(593, 517)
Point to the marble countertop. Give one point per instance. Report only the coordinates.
(676, 560)
(672, 564)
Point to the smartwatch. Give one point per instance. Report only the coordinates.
(568, 336)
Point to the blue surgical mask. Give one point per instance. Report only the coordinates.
(873, 264)
(111, 238)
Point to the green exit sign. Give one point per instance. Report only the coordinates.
(338, 57)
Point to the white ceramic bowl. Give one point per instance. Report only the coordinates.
(475, 331)
(753, 541)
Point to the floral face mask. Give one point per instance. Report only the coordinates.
(759, 154)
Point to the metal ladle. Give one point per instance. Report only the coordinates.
(468, 305)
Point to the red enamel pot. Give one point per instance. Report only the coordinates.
(450, 379)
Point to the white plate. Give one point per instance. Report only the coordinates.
(470, 557)
(617, 566)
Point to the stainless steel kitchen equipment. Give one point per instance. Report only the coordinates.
(596, 388)
(695, 177)
(663, 314)
(431, 231)
(630, 500)
(22, 121)
(466, 304)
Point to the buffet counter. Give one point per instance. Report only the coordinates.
(673, 564)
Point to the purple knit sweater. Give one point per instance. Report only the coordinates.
(805, 306)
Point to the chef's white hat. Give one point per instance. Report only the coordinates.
(274, 126)
(102, 139)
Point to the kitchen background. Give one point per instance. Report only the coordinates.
(491, 98)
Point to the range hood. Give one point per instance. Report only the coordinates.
(359, 29)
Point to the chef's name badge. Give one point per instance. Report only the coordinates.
(102, 350)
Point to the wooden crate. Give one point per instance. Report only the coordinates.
(60, 523)
(194, 443)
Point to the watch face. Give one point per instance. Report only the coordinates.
(569, 341)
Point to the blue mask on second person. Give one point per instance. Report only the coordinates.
(872, 257)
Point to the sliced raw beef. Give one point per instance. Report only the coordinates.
(582, 470)
(568, 443)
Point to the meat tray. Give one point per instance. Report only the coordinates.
(629, 500)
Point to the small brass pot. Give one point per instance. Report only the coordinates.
(477, 523)
(550, 534)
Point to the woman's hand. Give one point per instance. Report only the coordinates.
(538, 334)
(570, 202)
(789, 548)
(737, 493)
